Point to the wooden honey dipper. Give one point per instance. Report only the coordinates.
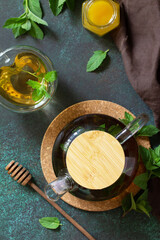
(22, 176)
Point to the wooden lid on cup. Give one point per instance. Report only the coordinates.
(95, 159)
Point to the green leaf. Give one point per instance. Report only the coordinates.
(133, 204)
(47, 95)
(54, 7)
(14, 22)
(143, 204)
(156, 172)
(148, 131)
(102, 127)
(34, 7)
(146, 158)
(51, 76)
(127, 118)
(34, 84)
(144, 207)
(70, 4)
(36, 19)
(157, 150)
(128, 203)
(61, 2)
(145, 155)
(155, 158)
(36, 31)
(18, 31)
(143, 196)
(50, 222)
(114, 130)
(96, 60)
(63, 147)
(26, 25)
(141, 180)
(37, 95)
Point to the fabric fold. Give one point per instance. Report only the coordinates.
(138, 40)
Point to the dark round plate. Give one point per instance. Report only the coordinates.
(95, 122)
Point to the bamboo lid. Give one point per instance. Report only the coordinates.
(95, 159)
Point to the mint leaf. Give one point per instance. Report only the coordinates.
(37, 95)
(148, 131)
(128, 204)
(141, 180)
(157, 150)
(143, 196)
(34, 6)
(46, 94)
(50, 222)
(36, 19)
(156, 172)
(155, 158)
(51, 76)
(114, 130)
(144, 207)
(14, 23)
(127, 118)
(102, 127)
(79, 129)
(54, 5)
(36, 31)
(70, 4)
(63, 147)
(34, 84)
(61, 2)
(147, 158)
(145, 131)
(143, 204)
(18, 31)
(96, 60)
(26, 25)
(140, 205)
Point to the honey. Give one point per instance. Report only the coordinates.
(13, 78)
(100, 16)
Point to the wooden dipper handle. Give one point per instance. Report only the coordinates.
(59, 209)
(24, 177)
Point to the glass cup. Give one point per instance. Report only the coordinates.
(7, 59)
(65, 183)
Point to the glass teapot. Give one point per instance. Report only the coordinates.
(124, 158)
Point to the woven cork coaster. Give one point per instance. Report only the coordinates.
(69, 114)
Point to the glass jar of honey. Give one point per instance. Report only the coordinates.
(100, 16)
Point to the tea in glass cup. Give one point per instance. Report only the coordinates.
(18, 65)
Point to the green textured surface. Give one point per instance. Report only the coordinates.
(69, 46)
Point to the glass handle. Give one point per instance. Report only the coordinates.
(59, 187)
(132, 128)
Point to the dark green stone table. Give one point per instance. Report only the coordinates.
(69, 46)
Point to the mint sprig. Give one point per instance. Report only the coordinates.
(146, 131)
(140, 205)
(50, 222)
(40, 86)
(96, 60)
(57, 5)
(151, 160)
(28, 21)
